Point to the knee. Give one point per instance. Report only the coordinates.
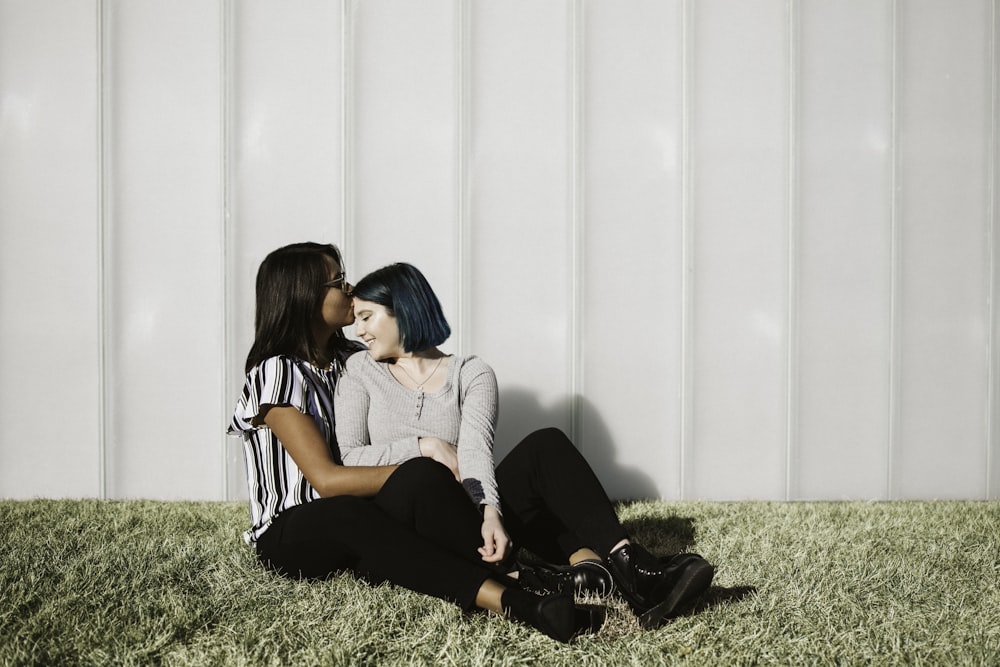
(422, 471)
(549, 439)
(425, 467)
(418, 483)
(543, 447)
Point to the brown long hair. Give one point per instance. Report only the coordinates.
(290, 293)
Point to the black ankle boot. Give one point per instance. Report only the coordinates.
(591, 577)
(585, 578)
(658, 590)
(555, 614)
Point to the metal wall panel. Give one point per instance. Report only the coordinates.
(992, 467)
(785, 211)
(945, 112)
(739, 144)
(633, 245)
(845, 147)
(403, 140)
(163, 249)
(49, 210)
(520, 202)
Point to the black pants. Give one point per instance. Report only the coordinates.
(420, 532)
(553, 503)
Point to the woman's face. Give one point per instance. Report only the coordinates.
(337, 310)
(377, 329)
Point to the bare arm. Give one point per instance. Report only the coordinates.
(302, 440)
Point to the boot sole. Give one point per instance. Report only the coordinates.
(564, 622)
(557, 617)
(694, 581)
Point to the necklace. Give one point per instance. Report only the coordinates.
(420, 384)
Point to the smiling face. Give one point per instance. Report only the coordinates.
(377, 329)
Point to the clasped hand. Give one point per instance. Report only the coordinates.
(496, 541)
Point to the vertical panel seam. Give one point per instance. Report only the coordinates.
(577, 260)
(791, 369)
(225, 104)
(102, 383)
(894, 260)
(687, 252)
(462, 226)
(347, 129)
(992, 222)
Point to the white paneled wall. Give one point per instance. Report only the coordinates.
(634, 217)
(944, 113)
(50, 251)
(162, 238)
(843, 278)
(738, 249)
(740, 319)
(521, 226)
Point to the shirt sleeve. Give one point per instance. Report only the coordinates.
(352, 402)
(276, 381)
(480, 406)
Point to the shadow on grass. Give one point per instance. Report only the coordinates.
(718, 596)
(665, 536)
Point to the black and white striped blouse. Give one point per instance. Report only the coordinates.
(275, 482)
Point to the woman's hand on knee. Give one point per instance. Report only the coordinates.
(441, 451)
(496, 541)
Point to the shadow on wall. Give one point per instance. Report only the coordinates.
(521, 412)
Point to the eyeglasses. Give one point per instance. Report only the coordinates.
(340, 282)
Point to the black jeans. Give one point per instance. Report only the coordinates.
(420, 532)
(553, 503)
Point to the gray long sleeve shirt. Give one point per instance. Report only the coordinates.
(379, 421)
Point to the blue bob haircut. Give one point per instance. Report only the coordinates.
(404, 291)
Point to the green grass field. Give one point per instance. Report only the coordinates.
(156, 583)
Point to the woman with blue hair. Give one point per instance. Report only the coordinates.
(405, 400)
